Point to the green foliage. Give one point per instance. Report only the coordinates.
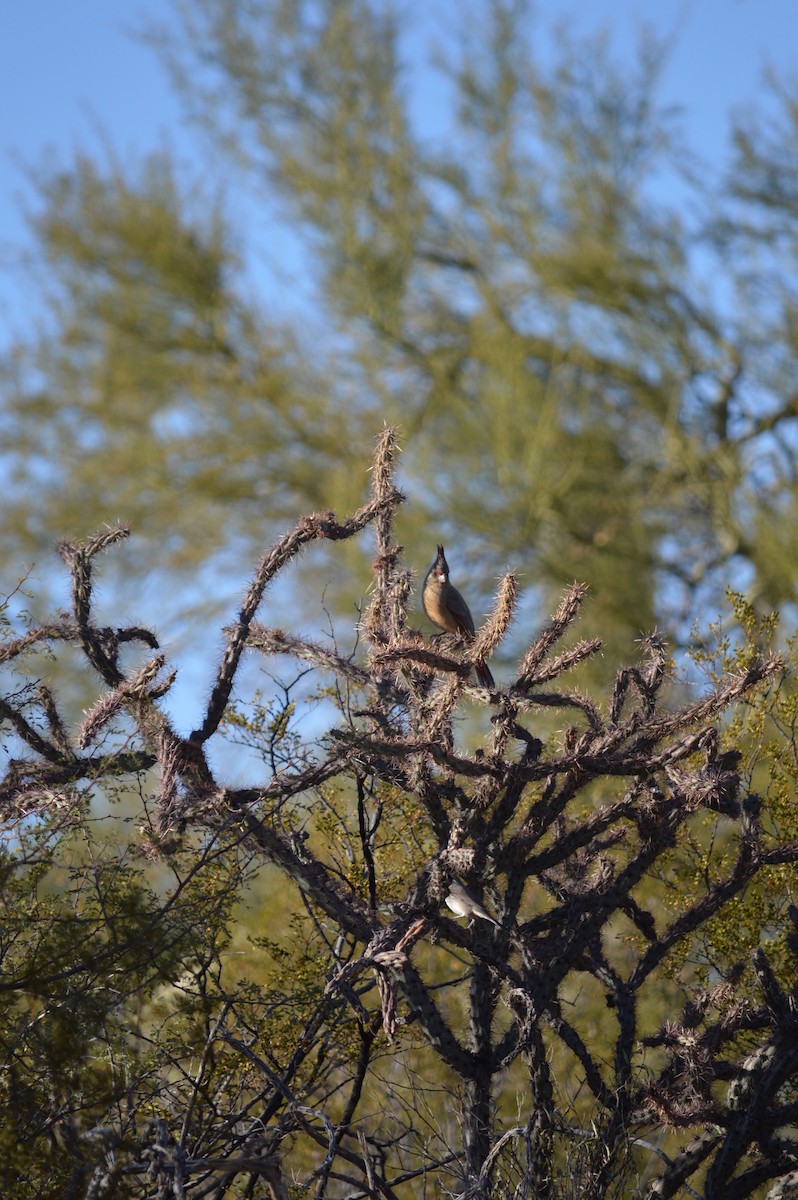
(123, 402)
(764, 730)
(95, 940)
(574, 398)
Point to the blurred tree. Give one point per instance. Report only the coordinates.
(158, 392)
(587, 384)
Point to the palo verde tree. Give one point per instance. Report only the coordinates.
(521, 294)
(565, 1042)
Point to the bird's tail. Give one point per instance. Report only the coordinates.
(484, 676)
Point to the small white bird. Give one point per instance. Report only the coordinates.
(461, 902)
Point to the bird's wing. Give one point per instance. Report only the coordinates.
(459, 610)
(477, 910)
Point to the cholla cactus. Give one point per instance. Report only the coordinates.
(558, 818)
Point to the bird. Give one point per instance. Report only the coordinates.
(447, 609)
(461, 902)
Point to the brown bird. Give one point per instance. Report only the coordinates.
(447, 609)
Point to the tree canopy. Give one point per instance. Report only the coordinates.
(591, 381)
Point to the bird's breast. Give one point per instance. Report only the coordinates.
(436, 609)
